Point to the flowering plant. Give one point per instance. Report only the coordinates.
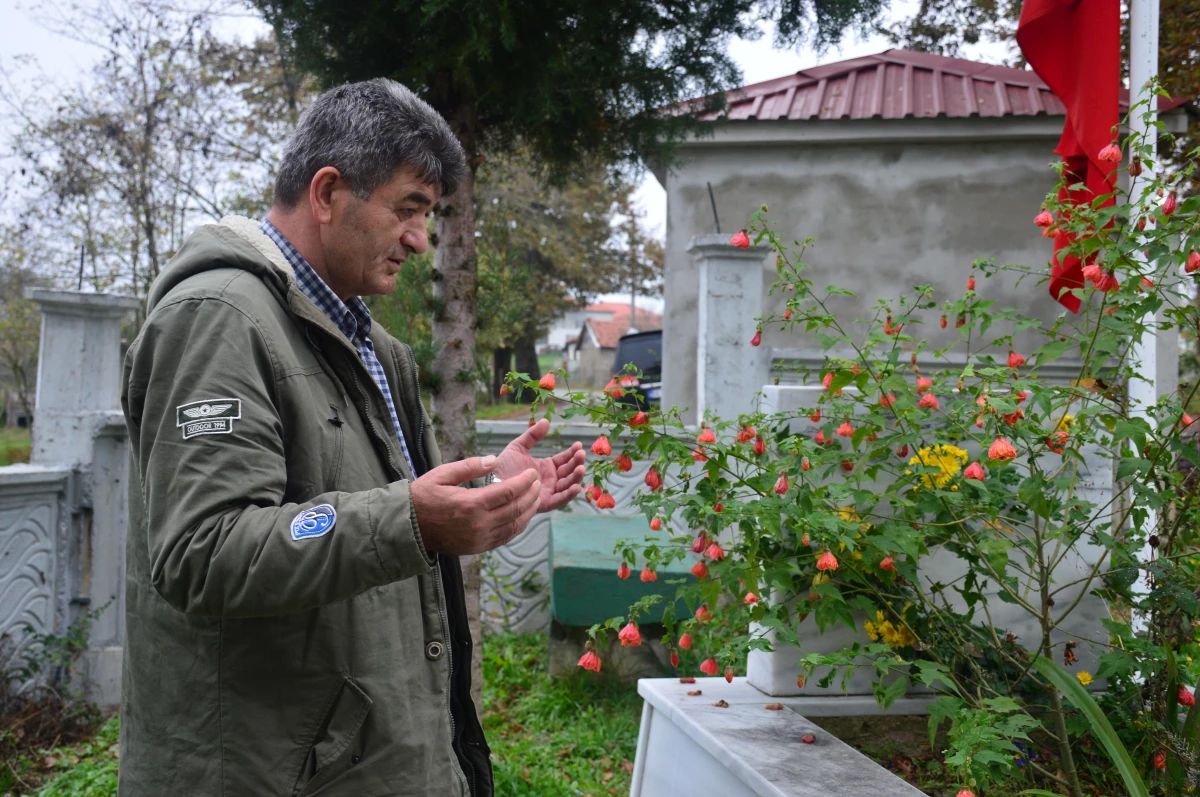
(946, 492)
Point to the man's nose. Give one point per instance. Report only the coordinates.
(416, 238)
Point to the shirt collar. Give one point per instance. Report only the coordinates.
(352, 317)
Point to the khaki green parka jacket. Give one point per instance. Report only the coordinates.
(287, 633)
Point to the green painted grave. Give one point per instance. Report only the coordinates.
(584, 588)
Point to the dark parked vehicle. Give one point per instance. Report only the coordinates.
(644, 351)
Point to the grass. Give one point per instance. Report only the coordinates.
(575, 735)
(15, 445)
(88, 769)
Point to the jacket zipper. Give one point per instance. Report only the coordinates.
(450, 679)
(416, 378)
(440, 599)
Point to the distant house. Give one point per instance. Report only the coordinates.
(592, 361)
(567, 325)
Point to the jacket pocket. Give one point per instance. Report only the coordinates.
(333, 742)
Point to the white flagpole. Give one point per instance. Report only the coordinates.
(1143, 65)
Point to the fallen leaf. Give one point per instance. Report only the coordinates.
(687, 679)
(694, 692)
(774, 707)
(720, 704)
(627, 766)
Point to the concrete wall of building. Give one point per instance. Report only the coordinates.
(596, 366)
(891, 205)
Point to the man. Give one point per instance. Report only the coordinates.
(295, 620)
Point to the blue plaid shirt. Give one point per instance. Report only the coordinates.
(352, 318)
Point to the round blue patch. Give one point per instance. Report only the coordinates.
(313, 522)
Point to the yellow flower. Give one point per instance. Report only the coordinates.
(948, 460)
(884, 630)
(1084, 677)
(1066, 423)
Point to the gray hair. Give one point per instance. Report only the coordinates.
(368, 131)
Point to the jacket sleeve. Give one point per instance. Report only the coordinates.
(221, 541)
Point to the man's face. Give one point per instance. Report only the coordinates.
(367, 241)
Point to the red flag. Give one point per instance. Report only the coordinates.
(1075, 46)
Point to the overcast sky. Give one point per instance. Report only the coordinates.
(65, 60)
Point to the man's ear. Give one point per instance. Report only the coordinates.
(320, 193)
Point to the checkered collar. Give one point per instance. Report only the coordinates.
(351, 317)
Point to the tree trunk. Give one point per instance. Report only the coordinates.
(501, 365)
(454, 287)
(527, 363)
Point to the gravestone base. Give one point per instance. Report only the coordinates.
(651, 659)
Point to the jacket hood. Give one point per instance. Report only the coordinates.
(236, 242)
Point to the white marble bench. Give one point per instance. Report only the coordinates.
(686, 745)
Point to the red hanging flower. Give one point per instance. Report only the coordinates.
(703, 615)
(728, 675)
(902, 451)
(1001, 450)
(757, 339)
(888, 563)
(781, 484)
(700, 570)
(674, 659)
(827, 561)
(613, 388)
(974, 471)
(709, 666)
(606, 501)
(1110, 154)
(547, 381)
(715, 552)
(1160, 760)
(923, 384)
(1092, 273)
(699, 455)
(685, 641)
(943, 322)
(845, 430)
(1015, 360)
(847, 465)
(655, 524)
(815, 415)
(1170, 204)
(1057, 441)
(752, 599)
(648, 574)
(805, 464)
(1193, 262)
(653, 480)
(741, 240)
(590, 661)
(1185, 697)
(624, 463)
(706, 436)
(630, 636)
(623, 571)
(639, 419)
(760, 446)
(929, 401)
(1043, 219)
(746, 435)
(1186, 420)
(602, 447)
(700, 543)
(887, 400)
(820, 438)
(1021, 395)
(593, 493)
(1107, 283)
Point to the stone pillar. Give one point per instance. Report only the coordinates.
(729, 371)
(79, 372)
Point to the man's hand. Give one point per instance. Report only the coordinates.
(561, 475)
(457, 521)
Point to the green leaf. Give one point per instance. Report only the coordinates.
(1131, 465)
(1032, 493)
(1052, 351)
(1041, 793)
(944, 708)
(1103, 730)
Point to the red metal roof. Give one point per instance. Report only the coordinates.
(607, 333)
(897, 84)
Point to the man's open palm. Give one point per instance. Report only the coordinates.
(561, 475)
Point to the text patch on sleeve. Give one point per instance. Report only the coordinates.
(208, 416)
